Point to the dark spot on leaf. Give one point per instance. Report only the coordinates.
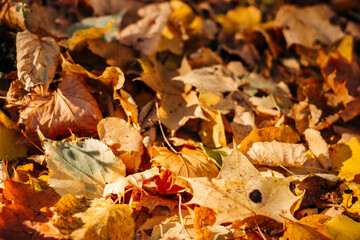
(255, 196)
(348, 191)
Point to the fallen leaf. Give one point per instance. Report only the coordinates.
(134, 180)
(70, 108)
(145, 34)
(283, 133)
(81, 168)
(106, 220)
(129, 106)
(343, 227)
(277, 153)
(318, 147)
(345, 48)
(350, 167)
(78, 39)
(187, 163)
(212, 132)
(37, 59)
(215, 79)
(299, 231)
(350, 197)
(12, 15)
(123, 138)
(308, 25)
(240, 191)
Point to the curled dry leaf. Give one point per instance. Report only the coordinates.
(37, 59)
(106, 220)
(187, 163)
(318, 147)
(70, 108)
(307, 26)
(277, 153)
(240, 191)
(81, 168)
(129, 106)
(134, 180)
(123, 138)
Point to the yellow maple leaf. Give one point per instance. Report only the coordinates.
(350, 167)
(343, 227)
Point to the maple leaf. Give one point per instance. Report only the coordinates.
(81, 167)
(240, 191)
(37, 59)
(70, 107)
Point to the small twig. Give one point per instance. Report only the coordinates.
(162, 130)
(181, 218)
(287, 169)
(22, 131)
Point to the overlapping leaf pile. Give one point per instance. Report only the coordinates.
(179, 120)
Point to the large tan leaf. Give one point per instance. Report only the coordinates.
(105, 220)
(37, 59)
(241, 191)
(307, 26)
(81, 168)
(70, 108)
(145, 34)
(124, 138)
(187, 163)
(277, 153)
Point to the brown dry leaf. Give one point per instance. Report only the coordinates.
(112, 77)
(283, 133)
(129, 106)
(105, 220)
(277, 153)
(115, 54)
(134, 180)
(27, 204)
(308, 25)
(177, 107)
(298, 231)
(11, 16)
(303, 120)
(214, 79)
(188, 162)
(318, 147)
(123, 138)
(145, 34)
(37, 59)
(70, 108)
(240, 191)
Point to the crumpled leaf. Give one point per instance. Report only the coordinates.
(145, 34)
(283, 133)
(134, 180)
(177, 107)
(123, 138)
(212, 132)
(106, 220)
(277, 153)
(343, 227)
(81, 168)
(240, 191)
(70, 107)
(112, 77)
(279, 96)
(78, 39)
(129, 106)
(308, 25)
(37, 59)
(187, 163)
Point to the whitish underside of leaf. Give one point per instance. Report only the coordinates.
(37, 59)
(240, 191)
(81, 168)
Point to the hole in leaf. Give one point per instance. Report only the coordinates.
(255, 196)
